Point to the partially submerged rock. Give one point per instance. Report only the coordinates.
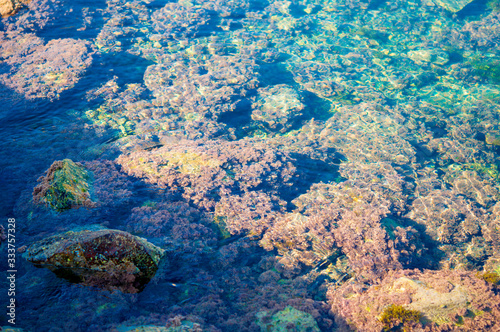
(108, 259)
(65, 185)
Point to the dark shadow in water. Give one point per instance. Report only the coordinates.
(211, 26)
(430, 259)
(157, 4)
(276, 73)
(239, 117)
(311, 171)
(258, 5)
(474, 10)
(17, 116)
(376, 4)
(129, 68)
(316, 107)
(70, 20)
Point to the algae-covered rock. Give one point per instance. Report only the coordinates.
(493, 139)
(10, 7)
(11, 329)
(277, 107)
(287, 320)
(65, 185)
(412, 300)
(45, 71)
(104, 258)
(184, 326)
(428, 56)
(142, 328)
(7, 8)
(452, 5)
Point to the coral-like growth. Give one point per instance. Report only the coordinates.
(10, 7)
(111, 187)
(370, 133)
(65, 186)
(486, 68)
(178, 21)
(443, 299)
(182, 227)
(478, 187)
(214, 86)
(251, 212)
(448, 217)
(494, 5)
(348, 216)
(203, 172)
(460, 147)
(48, 70)
(491, 277)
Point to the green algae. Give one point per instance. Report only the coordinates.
(377, 35)
(287, 320)
(486, 68)
(66, 185)
(397, 314)
(493, 5)
(220, 227)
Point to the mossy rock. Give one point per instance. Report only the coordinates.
(398, 316)
(104, 258)
(65, 185)
(287, 320)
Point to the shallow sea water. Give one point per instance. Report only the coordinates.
(282, 153)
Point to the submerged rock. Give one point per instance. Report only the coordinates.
(108, 259)
(65, 185)
(423, 56)
(288, 319)
(444, 300)
(277, 107)
(452, 5)
(182, 326)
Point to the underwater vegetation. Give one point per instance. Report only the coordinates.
(488, 69)
(397, 315)
(250, 165)
(66, 185)
(494, 5)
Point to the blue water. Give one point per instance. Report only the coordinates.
(355, 69)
